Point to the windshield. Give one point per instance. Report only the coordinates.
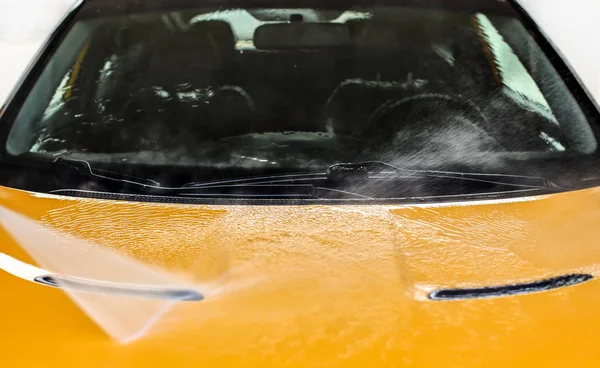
(184, 95)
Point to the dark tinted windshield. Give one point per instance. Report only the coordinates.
(223, 93)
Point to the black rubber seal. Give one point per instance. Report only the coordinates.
(509, 290)
(179, 294)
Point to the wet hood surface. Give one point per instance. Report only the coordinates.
(324, 286)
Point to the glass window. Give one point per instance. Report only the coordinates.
(234, 93)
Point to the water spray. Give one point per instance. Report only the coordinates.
(125, 296)
(40, 276)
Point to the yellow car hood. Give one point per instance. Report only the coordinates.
(324, 286)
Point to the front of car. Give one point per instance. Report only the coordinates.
(342, 184)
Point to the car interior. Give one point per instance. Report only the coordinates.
(376, 77)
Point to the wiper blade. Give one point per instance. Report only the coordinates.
(224, 189)
(361, 171)
(84, 168)
(292, 191)
(356, 171)
(267, 179)
(246, 191)
(302, 185)
(303, 191)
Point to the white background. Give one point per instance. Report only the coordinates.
(573, 26)
(24, 24)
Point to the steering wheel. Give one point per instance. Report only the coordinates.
(429, 122)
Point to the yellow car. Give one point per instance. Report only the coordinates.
(288, 184)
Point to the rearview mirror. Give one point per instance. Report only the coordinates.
(302, 35)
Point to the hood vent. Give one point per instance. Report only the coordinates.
(512, 289)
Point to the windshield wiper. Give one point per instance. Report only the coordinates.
(223, 190)
(333, 183)
(84, 168)
(356, 171)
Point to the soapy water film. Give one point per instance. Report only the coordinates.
(123, 317)
(127, 319)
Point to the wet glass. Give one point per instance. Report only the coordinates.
(217, 93)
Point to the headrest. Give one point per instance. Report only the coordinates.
(219, 30)
(195, 54)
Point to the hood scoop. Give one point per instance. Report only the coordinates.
(511, 289)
